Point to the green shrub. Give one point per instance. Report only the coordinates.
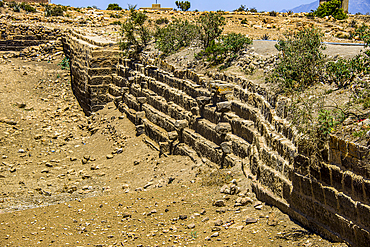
(273, 13)
(135, 36)
(242, 8)
(54, 10)
(14, 5)
(327, 121)
(64, 64)
(183, 5)
(116, 23)
(228, 46)
(244, 21)
(114, 6)
(332, 8)
(265, 37)
(301, 61)
(363, 33)
(210, 27)
(344, 71)
(178, 34)
(161, 21)
(253, 10)
(27, 7)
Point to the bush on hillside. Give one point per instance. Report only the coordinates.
(227, 47)
(178, 34)
(26, 7)
(135, 36)
(183, 5)
(301, 59)
(114, 6)
(54, 10)
(332, 8)
(210, 27)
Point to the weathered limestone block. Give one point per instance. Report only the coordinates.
(223, 128)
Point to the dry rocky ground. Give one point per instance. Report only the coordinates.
(68, 179)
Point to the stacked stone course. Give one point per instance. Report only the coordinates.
(232, 122)
(19, 36)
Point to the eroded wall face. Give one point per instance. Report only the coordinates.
(232, 122)
(17, 36)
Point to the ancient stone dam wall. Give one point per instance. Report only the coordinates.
(232, 122)
(19, 36)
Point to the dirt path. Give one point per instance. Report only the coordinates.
(267, 48)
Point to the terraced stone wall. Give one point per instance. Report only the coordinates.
(232, 122)
(15, 37)
(92, 63)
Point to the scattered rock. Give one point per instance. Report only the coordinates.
(218, 222)
(219, 203)
(183, 217)
(250, 221)
(191, 226)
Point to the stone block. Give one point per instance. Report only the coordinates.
(353, 150)
(181, 124)
(331, 197)
(335, 157)
(223, 128)
(164, 147)
(226, 147)
(318, 191)
(342, 146)
(362, 237)
(349, 162)
(328, 218)
(173, 135)
(306, 186)
(223, 106)
(358, 192)
(296, 182)
(364, 214)
(333, 143)
(347, 182)
(346, 230)
(203, 100)
(364, 152)
(337, 176)
(315, 171)
(141, 100)
(287, 191)
(347, 206)
(100, 80)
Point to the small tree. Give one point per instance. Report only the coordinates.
(183, 5)
(332, 8)
(114, 6)
(210, 27)
(178, 34)
(301, 61)
(135, 36)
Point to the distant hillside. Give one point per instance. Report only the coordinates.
(359, 6)
(355, 6)
(306, 7)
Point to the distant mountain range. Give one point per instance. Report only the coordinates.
(355, 6)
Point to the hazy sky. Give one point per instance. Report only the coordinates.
(266, 5)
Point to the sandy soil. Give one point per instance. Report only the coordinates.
(68, 179)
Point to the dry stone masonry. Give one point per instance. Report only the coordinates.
(232, 122)
(21, 36)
